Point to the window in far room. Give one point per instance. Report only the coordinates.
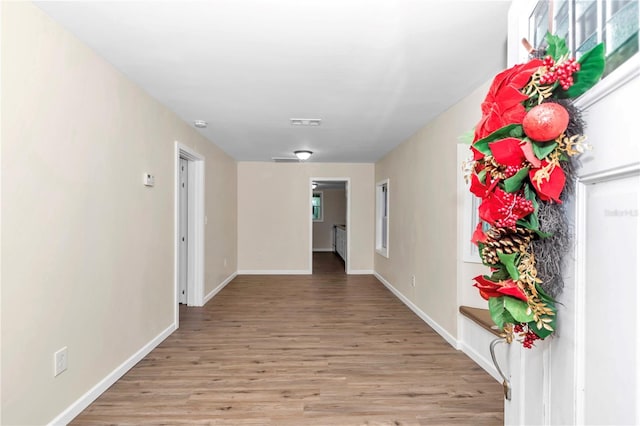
(382, 218)
(316, 206)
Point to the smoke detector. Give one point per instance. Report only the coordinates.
(200, 124)
(305, 121)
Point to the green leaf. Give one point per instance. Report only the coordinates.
(499, 314)
(514, 183)
(557, 46)
(529, 193)
(509, 261)
(467, 137)
(541, 150)
(592, 66)
(511, 130)
(482, 175)
(518, 309)
(500, 275)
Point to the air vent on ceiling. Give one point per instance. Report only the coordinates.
(285, 160)
(305, 121)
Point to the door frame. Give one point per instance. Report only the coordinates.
(195, 243)
(347, 188)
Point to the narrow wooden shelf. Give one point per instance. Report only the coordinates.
(482, 317)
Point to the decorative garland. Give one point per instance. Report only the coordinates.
(524, 156)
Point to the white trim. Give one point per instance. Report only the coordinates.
(220, 286)
(274, 272)
(361, 272)
(622, 75)
(347, 188)
(85, 400)
(323, 250)
(482, 361)
(426, 318)
(195, 283)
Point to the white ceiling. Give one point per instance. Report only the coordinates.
(374, 71)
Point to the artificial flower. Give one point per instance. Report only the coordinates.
(490, 288)
(508, 151)
(503, 103)
(502, 209)
(548, 180)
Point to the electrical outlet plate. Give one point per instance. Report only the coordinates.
(60, 360)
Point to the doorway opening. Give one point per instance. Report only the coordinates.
(329, 240)
(189, 228)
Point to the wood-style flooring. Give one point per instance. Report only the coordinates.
(322, 349)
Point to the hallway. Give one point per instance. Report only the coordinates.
(326, 349)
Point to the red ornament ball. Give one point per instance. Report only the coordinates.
(545, 122)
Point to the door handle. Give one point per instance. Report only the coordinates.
(506, 384)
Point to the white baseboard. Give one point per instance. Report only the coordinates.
(360, 272)
(85, 400)
(426, 318)
(274, 272)
(323, 250)
(216, 290)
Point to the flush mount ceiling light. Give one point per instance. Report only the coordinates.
(200, 124)
(303, 154)
(305, 121)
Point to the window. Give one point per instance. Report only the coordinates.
(585, 23)
(382, 218)
(316, 206)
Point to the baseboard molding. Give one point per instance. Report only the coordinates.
(274, 272)
(361, 272)
(426, 318)
(85, 400)
(216, 290)
(323, 250)
(481, 361)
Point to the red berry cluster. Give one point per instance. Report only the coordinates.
(528, 337)
(511, 170)
(514, 208)
(562, 72)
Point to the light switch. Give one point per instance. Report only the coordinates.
(149, 179)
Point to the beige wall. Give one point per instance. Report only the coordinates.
(335, 213)
(87, 250)
(423, 213)
(274, 223)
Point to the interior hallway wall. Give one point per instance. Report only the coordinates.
(87, 250)
(424, 238)
(274, 215)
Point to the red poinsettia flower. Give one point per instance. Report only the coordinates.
(490, 288)
(502, 209)
(508, 151)
(548, 180)
(503, 103)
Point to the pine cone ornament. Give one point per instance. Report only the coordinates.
(506, 240)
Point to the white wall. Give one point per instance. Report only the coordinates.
(334, 213)
(424, 201)
(274, 223)
(87, 250)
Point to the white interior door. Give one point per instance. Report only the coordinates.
(183, 231)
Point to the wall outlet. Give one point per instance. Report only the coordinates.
(413, 280)
(60, 360)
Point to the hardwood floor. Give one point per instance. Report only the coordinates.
(325, 349)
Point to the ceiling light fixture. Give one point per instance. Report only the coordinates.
(303, 154)
(200, 124)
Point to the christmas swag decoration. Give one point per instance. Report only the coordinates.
(525, 150)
